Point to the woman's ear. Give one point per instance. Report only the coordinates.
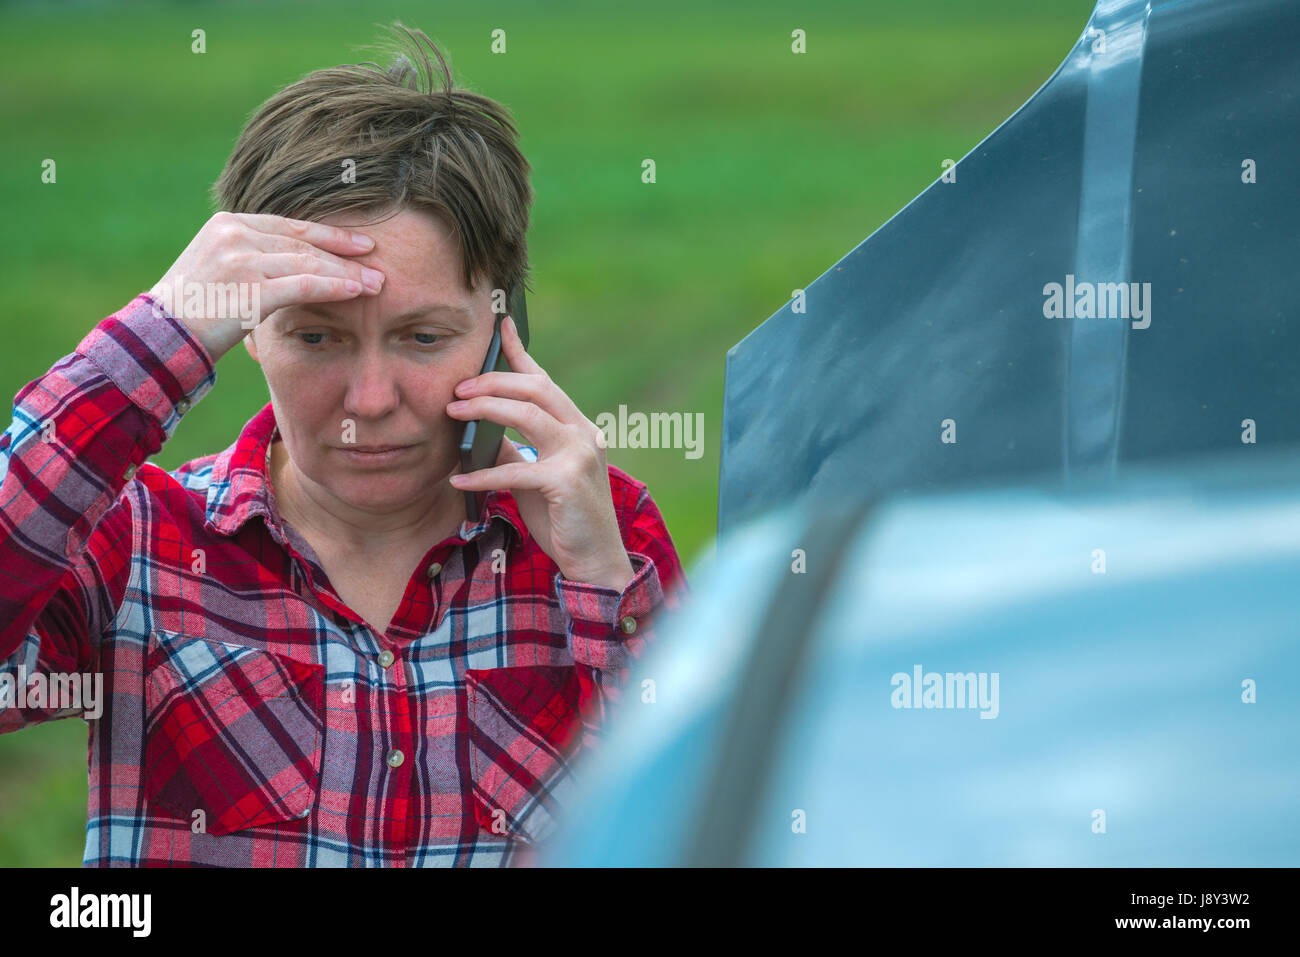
(250, 344)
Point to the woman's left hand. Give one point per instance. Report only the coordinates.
(564, 497)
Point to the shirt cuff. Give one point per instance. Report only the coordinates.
(604, 625)
(153, 359)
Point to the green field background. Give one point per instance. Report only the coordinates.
(770, 167)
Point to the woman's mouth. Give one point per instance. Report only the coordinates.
(375, 455)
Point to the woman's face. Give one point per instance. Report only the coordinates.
(378, 371)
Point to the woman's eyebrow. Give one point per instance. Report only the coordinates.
(323, 311)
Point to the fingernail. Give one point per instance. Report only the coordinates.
(457, 405)
(373, 278)
(363, 240)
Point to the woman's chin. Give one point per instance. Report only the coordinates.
(377, 491)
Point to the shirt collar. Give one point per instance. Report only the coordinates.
(240, 489)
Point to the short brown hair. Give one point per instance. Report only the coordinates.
(442, 150)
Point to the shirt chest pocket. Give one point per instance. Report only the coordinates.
(230, 731)
(525, 733)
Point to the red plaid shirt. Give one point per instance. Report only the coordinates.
(250, 718)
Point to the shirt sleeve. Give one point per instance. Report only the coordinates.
(608, 629)
(77, 437)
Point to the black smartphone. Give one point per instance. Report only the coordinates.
(481, 443)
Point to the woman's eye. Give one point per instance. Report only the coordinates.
(317, 338)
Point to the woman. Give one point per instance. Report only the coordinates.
(310, 654)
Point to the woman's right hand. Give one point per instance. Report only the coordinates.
(274, 261)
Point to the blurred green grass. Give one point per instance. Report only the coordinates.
(770, 167)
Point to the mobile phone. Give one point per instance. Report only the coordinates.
(481, 442)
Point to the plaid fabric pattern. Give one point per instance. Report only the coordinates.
(250, 718)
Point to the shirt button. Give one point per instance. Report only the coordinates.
(183, 406)
(129, 473)
(628, 624)
(385, 659)
(433, 570)
(395, 758)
